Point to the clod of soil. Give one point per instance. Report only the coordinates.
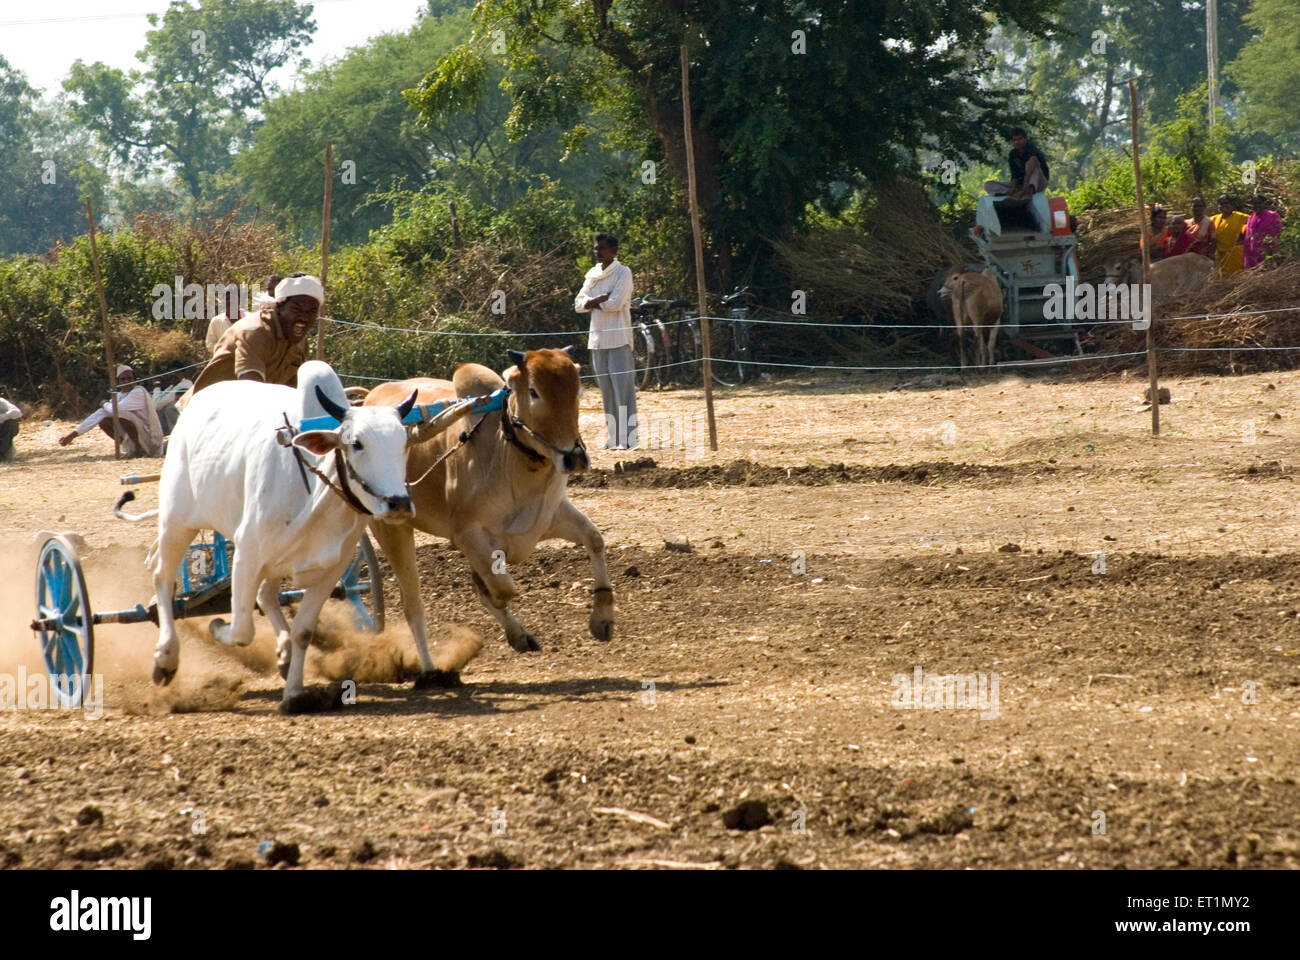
(88, 815)
(282, 853)
(494, 860)
(747, 815)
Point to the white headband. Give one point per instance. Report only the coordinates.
(299, 287)
(123, 368)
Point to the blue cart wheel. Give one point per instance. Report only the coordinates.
(363, 587)
(65, 624)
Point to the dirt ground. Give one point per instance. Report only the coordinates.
(1128, 604)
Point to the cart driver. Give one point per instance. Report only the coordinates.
(270, 345)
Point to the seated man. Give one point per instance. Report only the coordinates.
(171, 388)
(1029, 171)
(270, 345)
(9, 417)
(142, 434)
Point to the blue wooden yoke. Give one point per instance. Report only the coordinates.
(422, 412)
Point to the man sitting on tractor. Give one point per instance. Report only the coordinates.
(1029, 171)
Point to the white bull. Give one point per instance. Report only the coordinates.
(227, 470)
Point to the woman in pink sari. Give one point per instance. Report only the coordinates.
(1261, 233)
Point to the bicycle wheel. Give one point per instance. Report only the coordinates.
(643, 352)
(722, 345)
(689, 354)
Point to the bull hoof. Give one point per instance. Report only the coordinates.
(314, 700)
(284, 670)
(602, 630)
(438, 680)
(524, 643)
(163, 677)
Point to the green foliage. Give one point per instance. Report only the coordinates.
(205, 69)
(1185, 158)
(775, 127)
(47, 171)
(1268, 70)
(1075, 81)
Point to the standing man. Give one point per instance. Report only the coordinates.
(1259, 238)
(1228, 225)
(142, 434)
(233, 313)
(271, 344)
(607, 295)
(1029, 171)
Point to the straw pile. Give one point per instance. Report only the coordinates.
(1229, 302)
(879, 269)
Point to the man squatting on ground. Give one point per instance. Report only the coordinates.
(142, 434)
(607, 295)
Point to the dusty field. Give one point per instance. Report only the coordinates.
(953, 529)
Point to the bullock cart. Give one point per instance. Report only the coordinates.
(65, 621)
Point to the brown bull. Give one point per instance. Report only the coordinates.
(976, 300)
(500, 493)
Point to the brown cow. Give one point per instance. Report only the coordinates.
(499, 494)
(976, 302)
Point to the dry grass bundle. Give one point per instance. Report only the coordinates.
(537, 285)
(881, 270)
(214, 251)
(1229, 302)
(1106, 236)
(161, 346)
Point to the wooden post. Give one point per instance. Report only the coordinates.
(108, 332)
(325, 245)
(701, 292)
(1144, 223)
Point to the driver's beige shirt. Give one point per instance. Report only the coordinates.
(254, 345)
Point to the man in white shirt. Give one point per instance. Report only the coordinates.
(142, 434)
(607, 295)
(233, 313)
(9, 417)
(170, 389)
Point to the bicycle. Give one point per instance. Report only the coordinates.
(733, 348)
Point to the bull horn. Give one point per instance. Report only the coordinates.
(516, 357)
(443, 420)
(405, 406)
(329, 406)
(569, 349)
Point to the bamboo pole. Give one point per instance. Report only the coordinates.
(701, 291)
(1145, 224)
(325, 245)
(108, 332)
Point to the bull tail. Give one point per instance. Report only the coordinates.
(122, 501)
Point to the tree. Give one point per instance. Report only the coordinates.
(1075, 79)
(790, 97)
(1268, 70)
(47, 172)
(206, 71)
